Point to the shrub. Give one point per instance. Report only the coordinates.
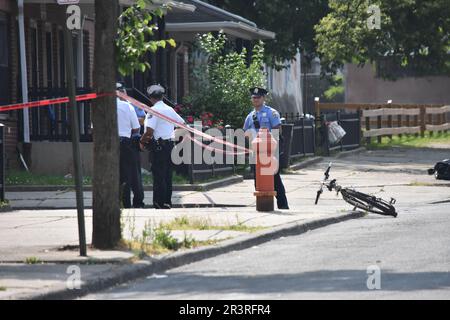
(221, 80)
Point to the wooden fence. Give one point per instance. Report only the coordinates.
(378, 120)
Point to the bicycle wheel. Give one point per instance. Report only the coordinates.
(369, 203)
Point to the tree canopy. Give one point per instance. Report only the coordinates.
(293, 22)
(413, 35)
(135, 31)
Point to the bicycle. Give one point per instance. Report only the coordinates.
(358, 199)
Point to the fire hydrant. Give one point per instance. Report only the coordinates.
(264, 146)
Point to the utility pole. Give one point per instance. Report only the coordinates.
(75, 134)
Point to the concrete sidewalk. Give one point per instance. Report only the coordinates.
(38, 236)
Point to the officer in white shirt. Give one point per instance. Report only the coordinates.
(159, 137)
(128, 125)
(135, 163)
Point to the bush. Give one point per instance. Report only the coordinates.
(221, 80)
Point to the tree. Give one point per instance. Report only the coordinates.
(413, 35)
(293, 22)
(136, 27)
(121, 49)
(105, 193)
(222, 79)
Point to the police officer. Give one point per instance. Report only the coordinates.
(159, 136)
(130, 166)
(264, 116)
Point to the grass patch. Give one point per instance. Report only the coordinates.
(411, 141)
(20, 178)
(176, 179)
(420, 184)
(186, 223)
(155, 240)
(4, 204)
(32, 260)
(160, 243)
(2, 288)
(16, 177)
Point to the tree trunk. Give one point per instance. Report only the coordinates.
(106, 208)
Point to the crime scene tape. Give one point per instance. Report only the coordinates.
(216, 150)
(182, 125)
(92, 96)
(47, 102)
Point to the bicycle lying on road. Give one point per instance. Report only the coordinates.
(358, 199)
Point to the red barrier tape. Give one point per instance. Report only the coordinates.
(42, 103)
(216, 150)
(92, 96)
(179, 124)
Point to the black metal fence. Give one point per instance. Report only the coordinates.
(205, 163)
(350, 122)
(299, 138)
(52, 123)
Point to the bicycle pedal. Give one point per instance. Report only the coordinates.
(393, 201)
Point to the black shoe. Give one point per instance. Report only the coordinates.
(164, 206)
(139, 206)
(283, 207)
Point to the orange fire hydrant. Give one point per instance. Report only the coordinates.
(264, 146)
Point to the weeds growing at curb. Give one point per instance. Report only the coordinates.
(420, 184)
(32, 260)
(154, 240)
(2, 288)
(187, 223)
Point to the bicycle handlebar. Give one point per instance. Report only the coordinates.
(327, 172)
(327, 175)
(318, 196)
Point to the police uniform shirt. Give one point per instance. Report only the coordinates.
(162, 128)
(139, 112)
(267, 117)
(126, 118)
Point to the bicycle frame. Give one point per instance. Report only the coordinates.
(357, 199)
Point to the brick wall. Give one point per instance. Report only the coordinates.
(52, 19)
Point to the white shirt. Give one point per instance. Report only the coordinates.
(126, 118)
(162, 128)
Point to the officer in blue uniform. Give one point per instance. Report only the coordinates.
(264, 116)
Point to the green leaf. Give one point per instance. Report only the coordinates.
(172, 42)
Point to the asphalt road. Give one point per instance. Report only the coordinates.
(412, 253)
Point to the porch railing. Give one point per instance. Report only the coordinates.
(51, 123)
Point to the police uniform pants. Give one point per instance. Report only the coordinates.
(135, 184)
(130, 175)
(162, 175)
(282, 202)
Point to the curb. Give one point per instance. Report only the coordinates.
(344, 154)
(305, 163)
(175, 206)
(180, 187)
(148, 267)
